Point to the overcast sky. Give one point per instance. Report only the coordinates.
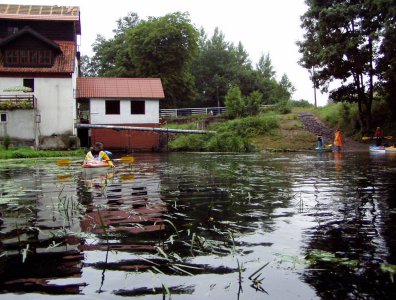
(262, 26)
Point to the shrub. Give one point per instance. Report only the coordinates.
(234, 103)
(229, 142)
(283, 107)
(190, 142)
(300, 103)
(251, 126)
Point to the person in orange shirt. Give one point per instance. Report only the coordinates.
(338, 140)
(378, 136)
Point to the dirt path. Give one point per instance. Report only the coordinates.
(314, 125)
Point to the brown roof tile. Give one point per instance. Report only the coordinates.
(64, 62)
(100, 87)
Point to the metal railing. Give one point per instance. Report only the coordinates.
(179, 112)
(17, 102)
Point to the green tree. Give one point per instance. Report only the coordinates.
(387, 62)
(265, 68)
(111, 57)
(165, 47)
(213, 68)
(87, 68)
(252, 103)
(234, 103)
(341, 43)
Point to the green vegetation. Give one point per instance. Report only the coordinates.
(196, 70)
(31, 153)
(341, 115)
(6, 141)
(351, 45)
(233, 136)
(10, 105)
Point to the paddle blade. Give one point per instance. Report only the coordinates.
(389, 137)
(126, 159)
(63, 162)
(365, 138)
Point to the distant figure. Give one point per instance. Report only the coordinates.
(338, 140)
(211, 112)
(320, 141)
(378, 136)
(97, 153)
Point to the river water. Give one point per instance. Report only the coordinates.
(201, 225)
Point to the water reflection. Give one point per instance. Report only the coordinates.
(202, 225)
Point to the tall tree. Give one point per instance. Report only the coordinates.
(341, 42)
(111, 58)
(387, 62)
(164, 47)
(213, 68)
(265, 68)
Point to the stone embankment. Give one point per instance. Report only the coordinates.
(316, 126)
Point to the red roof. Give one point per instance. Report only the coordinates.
(101, 87)
(64, 62)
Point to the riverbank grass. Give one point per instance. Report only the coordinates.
(289, 136)
(25, 152)
(232, 135)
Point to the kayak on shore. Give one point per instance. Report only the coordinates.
(382, 149)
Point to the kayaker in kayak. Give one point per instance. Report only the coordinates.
(97, 154)
(378, 136)
(338, 140)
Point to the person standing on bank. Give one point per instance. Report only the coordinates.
(320, 141)
(338, 140)
(378, 136)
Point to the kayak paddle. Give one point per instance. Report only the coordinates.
(365, 138)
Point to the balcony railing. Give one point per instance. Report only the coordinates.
(13, 102)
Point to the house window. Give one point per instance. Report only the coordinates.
(12, 57)
(33, 57)
(138, 107)
(24, 57)
(29, 83)
(44, 57)
(3, 117)
(112, 107)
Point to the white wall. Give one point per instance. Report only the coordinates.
(98, 113)
(19, 125)
(55, 103)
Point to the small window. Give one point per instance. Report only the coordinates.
(44, 57)
(24, 57)
(3, 117)
(138, 107)
(112, 107)
(29, 83)
(33, 57)
(11, 57)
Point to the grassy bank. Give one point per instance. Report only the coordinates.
(30, 153)
(268, 131)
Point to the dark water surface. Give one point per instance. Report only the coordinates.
(198, 226)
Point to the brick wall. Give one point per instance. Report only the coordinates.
(131, 140)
